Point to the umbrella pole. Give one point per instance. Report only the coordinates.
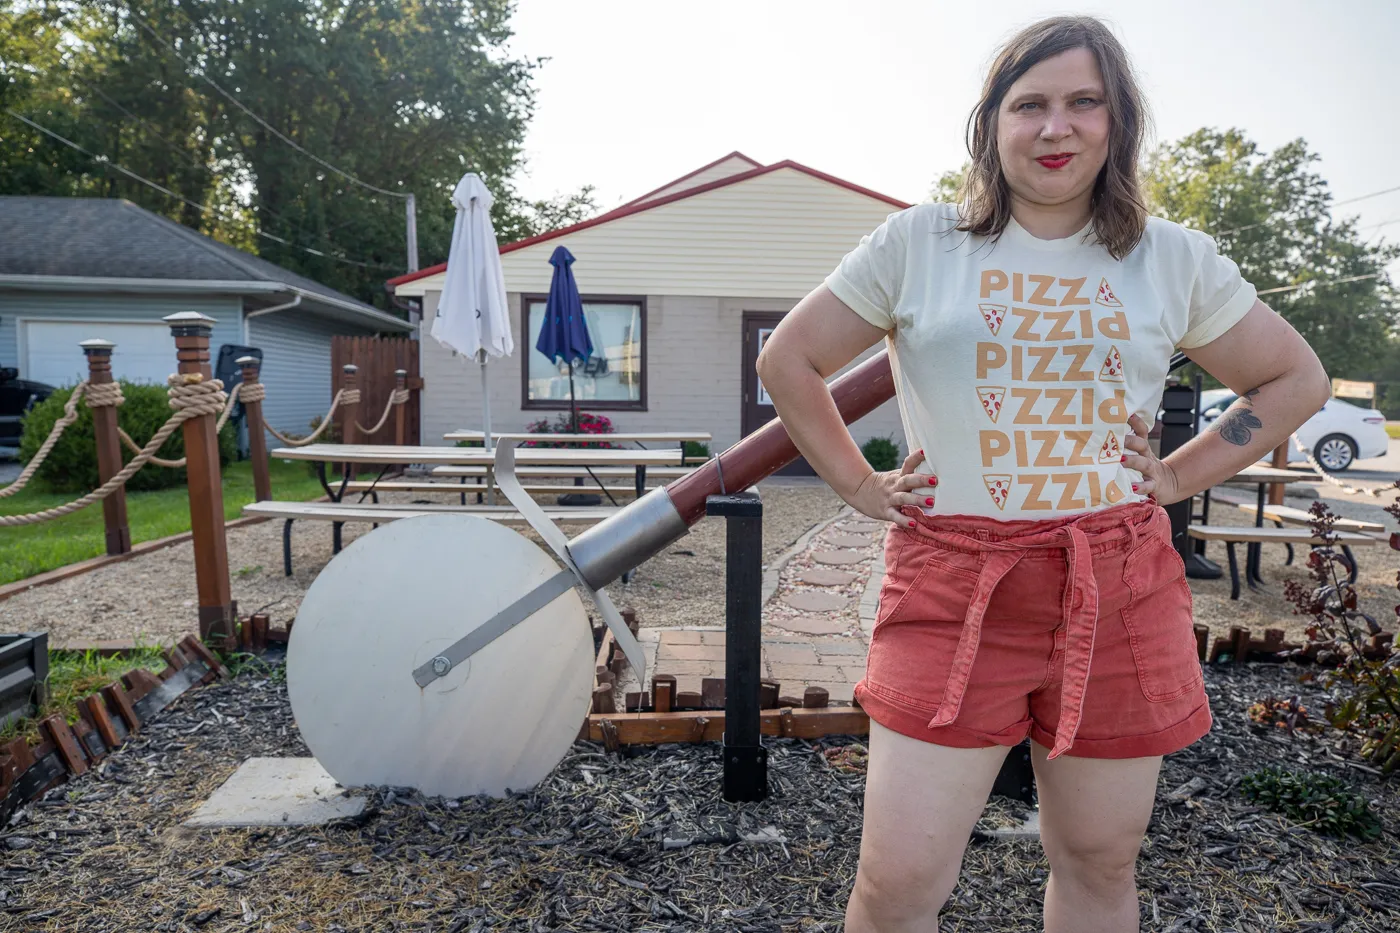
(573, 402)
(485, 403)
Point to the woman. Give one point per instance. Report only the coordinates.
(1031, 585)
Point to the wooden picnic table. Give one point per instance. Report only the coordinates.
(388, 456)
(1261, 477)
(629, 437)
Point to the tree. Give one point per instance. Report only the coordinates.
(1270, 213)
(229, 104)
(948, 188)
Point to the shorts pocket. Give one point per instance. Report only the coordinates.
(1158, 619)
(930, 584)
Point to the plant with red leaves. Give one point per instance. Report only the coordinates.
(563, 424)
(1370, 706)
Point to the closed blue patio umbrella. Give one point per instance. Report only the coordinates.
(564, 332)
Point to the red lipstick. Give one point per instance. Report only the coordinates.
(1057, 161)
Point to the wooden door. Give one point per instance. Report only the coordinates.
(757, 410)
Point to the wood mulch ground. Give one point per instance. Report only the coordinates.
(646, 842)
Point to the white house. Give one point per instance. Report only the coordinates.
(680, 287)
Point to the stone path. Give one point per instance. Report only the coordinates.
(817, 617)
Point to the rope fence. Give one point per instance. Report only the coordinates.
(190, 397)
(344, 396)
(397, 397)
(1317, 468)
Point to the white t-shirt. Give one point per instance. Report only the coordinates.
(1017, 361)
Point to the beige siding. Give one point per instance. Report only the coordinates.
(773, 236)
(693, 375)
(733, 165)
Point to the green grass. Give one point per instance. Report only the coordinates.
(31, 549)
(1392, 428)
(74, 675)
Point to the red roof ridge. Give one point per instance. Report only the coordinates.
(736, 154)
(634, 208)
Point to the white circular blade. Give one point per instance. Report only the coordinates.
(393, 600)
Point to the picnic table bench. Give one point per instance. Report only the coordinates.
(461, 489)
(340, 513)
(1232, 535)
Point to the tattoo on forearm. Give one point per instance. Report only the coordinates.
(1237, 425)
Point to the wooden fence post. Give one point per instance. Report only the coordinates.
(257, 437)
(350, 434)
(109, 447)
(400, 382)
(1280, 463)
(191, 331)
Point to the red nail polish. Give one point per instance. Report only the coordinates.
(1135, 487)
(933, 481)
(1123, 459)
(911, 524)
(928, 502)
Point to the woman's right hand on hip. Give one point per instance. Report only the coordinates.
(882, 495)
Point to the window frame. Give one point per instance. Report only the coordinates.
(528, 404)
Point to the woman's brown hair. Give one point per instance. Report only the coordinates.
(1119, 211)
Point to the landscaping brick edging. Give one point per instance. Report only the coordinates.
(105, 720)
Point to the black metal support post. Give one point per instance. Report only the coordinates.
(745, 758)
(1178, 427)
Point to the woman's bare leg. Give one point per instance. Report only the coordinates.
(1093, 813)
(921, 801)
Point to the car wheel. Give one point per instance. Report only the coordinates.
(1335, 452)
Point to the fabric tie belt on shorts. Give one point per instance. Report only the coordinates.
(1081, 611)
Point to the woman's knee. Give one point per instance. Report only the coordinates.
(894, 894)
(1094, 863)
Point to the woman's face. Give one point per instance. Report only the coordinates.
(1052, 130)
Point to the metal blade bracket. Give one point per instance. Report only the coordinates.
(493, 628)
(508, 483)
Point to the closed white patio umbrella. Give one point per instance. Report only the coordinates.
(472, 317)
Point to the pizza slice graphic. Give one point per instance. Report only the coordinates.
(998, 487)
(1110, 452)
(991, 397)
(1112, 368)
(1106, 297)
(993, 315)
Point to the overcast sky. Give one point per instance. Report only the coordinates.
(877, 92)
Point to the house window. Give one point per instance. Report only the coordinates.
(613, 378)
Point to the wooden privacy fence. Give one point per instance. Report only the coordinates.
(382, 365)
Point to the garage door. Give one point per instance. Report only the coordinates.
(144, 353)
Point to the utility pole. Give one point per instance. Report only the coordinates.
(411, 205)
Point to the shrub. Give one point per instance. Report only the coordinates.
(72, 464)
(1312, 800)
(563, 423)
(1345, 637)
(694, 450)
(882, 453)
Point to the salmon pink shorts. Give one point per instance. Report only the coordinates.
(1076, 631)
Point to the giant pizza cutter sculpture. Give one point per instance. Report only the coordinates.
(453, 655)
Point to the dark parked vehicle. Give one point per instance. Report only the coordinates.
(17, 396)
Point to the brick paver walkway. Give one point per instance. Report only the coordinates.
(802, 645)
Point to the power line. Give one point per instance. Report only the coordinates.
(1323, 282)
(1363, 197)
(153, 133)
(261, 122)
(203, 208)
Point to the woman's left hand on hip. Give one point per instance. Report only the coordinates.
(1158, 481)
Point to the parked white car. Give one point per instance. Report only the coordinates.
(1338, 435)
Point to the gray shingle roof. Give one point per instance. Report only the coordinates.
(113, 238)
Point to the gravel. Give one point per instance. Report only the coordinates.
(152, 598)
